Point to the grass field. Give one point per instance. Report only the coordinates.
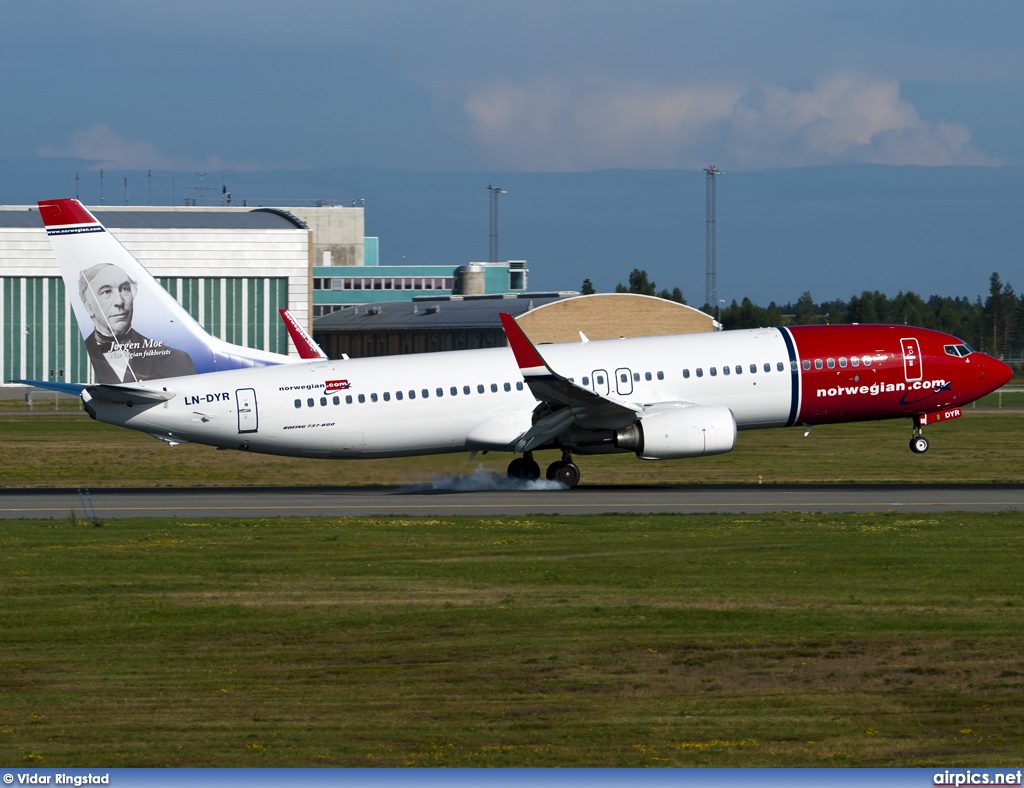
(769, 640)
(70, 450)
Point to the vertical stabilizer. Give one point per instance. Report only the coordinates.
(133, 329)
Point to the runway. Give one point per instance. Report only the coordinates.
(431, 501)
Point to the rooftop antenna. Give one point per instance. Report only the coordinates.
(711, 283)
(495, 191)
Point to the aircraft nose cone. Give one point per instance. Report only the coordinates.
(1001, 373)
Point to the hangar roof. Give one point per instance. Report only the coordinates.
(257, 219)
(433, 313)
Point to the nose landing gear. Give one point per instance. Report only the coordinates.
(918, 442)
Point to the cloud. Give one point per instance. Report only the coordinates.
(564, 124)
(107, 148)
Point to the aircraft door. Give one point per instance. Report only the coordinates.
(912, 369)
(623, 381)
(599, 380)
(248, 417)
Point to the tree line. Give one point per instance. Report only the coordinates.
(995, 325)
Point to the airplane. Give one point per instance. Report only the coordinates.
(660, 398)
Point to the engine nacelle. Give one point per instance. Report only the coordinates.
(686, 431)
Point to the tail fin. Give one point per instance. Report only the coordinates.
(133, 329)
(304, 343)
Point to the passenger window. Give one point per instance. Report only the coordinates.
(494, 388)
(387, 396)
(398, 395)
(831, 363)
(817, 363)
(426, 393)
(700, 372)
(599, 379)
(768, 367)
(842, 362)
(465, 389)
(310, 402)
(362, 398)
(867, 361)
(725, 370)
(337, 400)
(298, 403)
(624, 378)
(412, 394)
(855, 361)
(636, 377)
(519, 385)
(807, 363)
(686, 373)
(647, 376)
(323, 402)
(661, 375)
(508, 387)
(440, 391)
(753, 369)
(714, 371)
(454, 391)
(348, 399)
(739, 369)
(480, 388)
(586, 381)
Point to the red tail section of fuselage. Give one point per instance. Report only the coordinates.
(868, 372)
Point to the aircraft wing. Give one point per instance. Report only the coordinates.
(570, 404)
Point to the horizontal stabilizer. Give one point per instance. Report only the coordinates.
(74, 389)
(122, 395)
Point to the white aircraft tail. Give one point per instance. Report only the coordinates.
(133, 329)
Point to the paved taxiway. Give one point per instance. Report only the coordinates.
(342, 501)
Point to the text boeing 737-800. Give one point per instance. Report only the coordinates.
(660, 398)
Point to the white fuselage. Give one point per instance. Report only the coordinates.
(456, 401)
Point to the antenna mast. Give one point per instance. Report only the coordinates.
(495, 191)
(711, 284)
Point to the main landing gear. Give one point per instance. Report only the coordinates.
(527, 469)
(564, 471)
(918, 442)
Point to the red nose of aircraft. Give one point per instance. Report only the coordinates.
(994, 373)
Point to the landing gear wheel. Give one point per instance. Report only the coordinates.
(568, 474)
(919, 444)
(524, 468)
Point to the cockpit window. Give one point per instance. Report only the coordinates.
(961, 350)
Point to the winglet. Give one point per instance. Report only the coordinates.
(527, 357)
(300, 337)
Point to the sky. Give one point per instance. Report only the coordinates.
(534, 86)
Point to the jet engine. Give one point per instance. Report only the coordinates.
(683, 431)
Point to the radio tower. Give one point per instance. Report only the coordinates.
(711, 288)
(495, 191)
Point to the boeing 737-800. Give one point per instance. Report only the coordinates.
(660, 398)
